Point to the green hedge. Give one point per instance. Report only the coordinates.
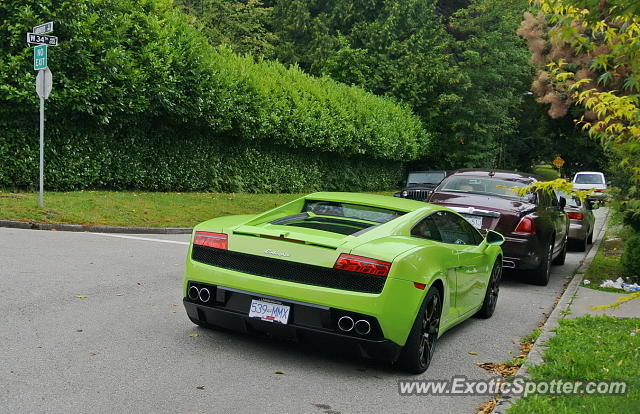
(165, 162)
(141, 100)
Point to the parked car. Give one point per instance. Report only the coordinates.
(591, 180)
(420, 184)
(535, 226)
(388, 274)
(581, 222)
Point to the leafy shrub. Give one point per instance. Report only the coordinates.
(90, 159)
(141, 100)
(630, 259)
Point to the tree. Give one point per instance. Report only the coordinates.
(239, 24)
(591, 52)
(482, 127)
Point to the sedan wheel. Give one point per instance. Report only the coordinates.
(421, 343)
(581, 245)
(540, 276)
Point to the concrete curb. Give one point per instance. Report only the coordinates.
(547, 330)
(94, 229)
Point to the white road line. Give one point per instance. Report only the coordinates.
(140, 238)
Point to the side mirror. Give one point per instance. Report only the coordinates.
(494, 238)
(563, 203)
(530, 198)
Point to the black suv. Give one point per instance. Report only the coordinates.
(420, 184)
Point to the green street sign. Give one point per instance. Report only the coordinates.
(40, 57)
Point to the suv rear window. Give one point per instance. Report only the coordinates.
(481, 185)
(589, 179)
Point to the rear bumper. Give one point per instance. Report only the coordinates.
(395, 308)
(228, 308)
(597, 195)
(521, 253)
(578, 229)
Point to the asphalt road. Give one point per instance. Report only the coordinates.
(94, 323)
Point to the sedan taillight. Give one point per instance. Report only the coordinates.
(573, 215)
(364, 265)
(526, 226)
(215, 240)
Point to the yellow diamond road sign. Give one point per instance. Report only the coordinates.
(558, 162)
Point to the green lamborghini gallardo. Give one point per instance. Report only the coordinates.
(388, 274)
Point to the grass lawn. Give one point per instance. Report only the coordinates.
(134, 208)
(589, 349)
(546, 172)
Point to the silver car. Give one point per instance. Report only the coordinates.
(581, 222)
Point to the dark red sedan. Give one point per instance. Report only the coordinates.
(535, 226)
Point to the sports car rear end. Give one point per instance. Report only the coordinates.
(305, 274)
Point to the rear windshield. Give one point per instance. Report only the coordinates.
(589, 179)
(482, 185)
(342, 218)
(425, 178)
(572, 200)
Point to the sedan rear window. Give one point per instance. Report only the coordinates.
(482, 185)
(589, 179)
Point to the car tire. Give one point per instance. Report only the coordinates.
(590, 238)
(491, 295)
(418, 351)
(541, 275)
(581, 245)
(560, 258)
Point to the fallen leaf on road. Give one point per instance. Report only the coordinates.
(193, 335)
(200, 387)
(503, 370)
(119, 294)
(487, 407)
(473, 353)
(93, 353)
(279, 373)
(81, 297)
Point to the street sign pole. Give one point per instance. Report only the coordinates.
(42, 145)
(43, 82)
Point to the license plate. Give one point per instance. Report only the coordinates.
(269, 311)
(475, 221)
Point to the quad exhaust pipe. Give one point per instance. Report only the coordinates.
(193, 293)
(347, 324)
(362, 327)
(203, 294)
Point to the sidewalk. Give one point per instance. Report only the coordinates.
(586, 298)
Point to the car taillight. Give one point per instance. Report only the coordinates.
(575, 215)
(365, 265)
(526, 226)
(215, 240)
(598, 190)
